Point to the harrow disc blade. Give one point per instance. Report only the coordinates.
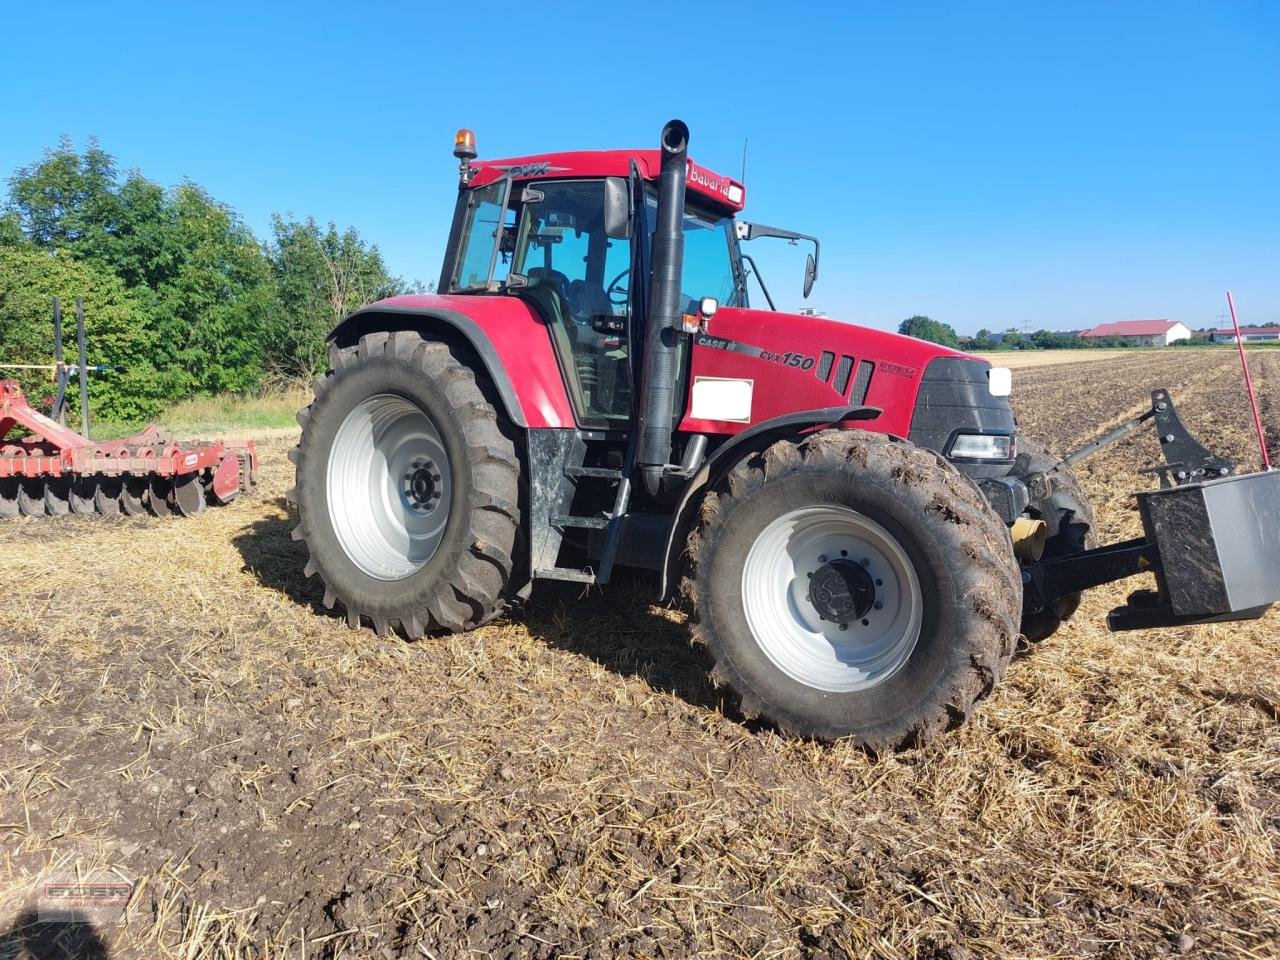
(31, 498)
(57, 497)
(223, 485)
(188, 495)
(160, 496)
(133, 497)
(248, 475)
(8, 499)
(81, 496)
(106, 497)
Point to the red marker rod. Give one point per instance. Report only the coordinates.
(1248, 383)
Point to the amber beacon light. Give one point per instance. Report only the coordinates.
(464, 145)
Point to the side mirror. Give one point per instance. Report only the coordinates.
(810, 274)
(617, 209)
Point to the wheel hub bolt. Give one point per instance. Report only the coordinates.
(841, 591)
(421, 485)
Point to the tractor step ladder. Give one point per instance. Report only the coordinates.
(587, 523)
(610, 522)
(565, 573)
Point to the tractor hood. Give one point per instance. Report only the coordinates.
(828, 330)
(925, 391)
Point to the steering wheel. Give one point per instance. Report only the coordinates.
(558, 278)
(616, 294)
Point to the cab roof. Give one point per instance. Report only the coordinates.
(723, 191)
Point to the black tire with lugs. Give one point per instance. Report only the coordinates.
(959, 548)
(465, 582)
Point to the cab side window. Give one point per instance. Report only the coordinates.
(485, 215)
(579, 279)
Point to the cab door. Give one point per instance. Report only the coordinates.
(580, 280)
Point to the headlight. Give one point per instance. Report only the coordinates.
(972, 446)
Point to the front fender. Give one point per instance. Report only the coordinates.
(753, 439)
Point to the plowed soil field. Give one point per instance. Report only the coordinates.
(177, 707)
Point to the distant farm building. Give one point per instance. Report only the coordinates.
(1142, 333)
(1247, 334)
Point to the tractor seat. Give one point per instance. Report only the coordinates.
(586, 300)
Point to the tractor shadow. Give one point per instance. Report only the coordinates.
(273, 557)
(624, 628)
(33, 939)
(621, 626)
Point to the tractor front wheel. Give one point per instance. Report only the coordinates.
(1068, 517)
(407, 489)
(848, 584)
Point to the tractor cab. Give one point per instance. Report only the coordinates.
(572, 235)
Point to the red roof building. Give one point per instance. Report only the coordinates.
(1248, 334)
(1145, 332)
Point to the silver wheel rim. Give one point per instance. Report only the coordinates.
(827, 655)
(390, 487)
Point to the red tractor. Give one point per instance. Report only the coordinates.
(860, 533)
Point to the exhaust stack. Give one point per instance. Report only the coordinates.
(658, 386)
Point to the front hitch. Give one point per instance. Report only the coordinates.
(1186, 459)
(1211, 537)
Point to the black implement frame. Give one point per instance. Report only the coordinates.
(1211, 537)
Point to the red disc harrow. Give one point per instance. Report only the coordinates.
(56, 471)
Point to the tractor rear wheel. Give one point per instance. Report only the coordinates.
(407, 488)
(848, 584)
(1068, 517)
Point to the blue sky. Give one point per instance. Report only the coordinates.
(1053, 164)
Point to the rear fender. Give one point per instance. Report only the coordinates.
(511, 352)
(752, 440)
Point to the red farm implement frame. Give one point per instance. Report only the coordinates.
(57, 471)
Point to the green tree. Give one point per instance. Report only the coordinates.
(321, 276)
(67, 201)
(211, 314)
(216, 308)
(926, 328)
(202, 282)
(1013, 337)
(1045, 340)
(11, 234)
(148, 249)
(115, 330)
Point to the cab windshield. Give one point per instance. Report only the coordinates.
(709, 258)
